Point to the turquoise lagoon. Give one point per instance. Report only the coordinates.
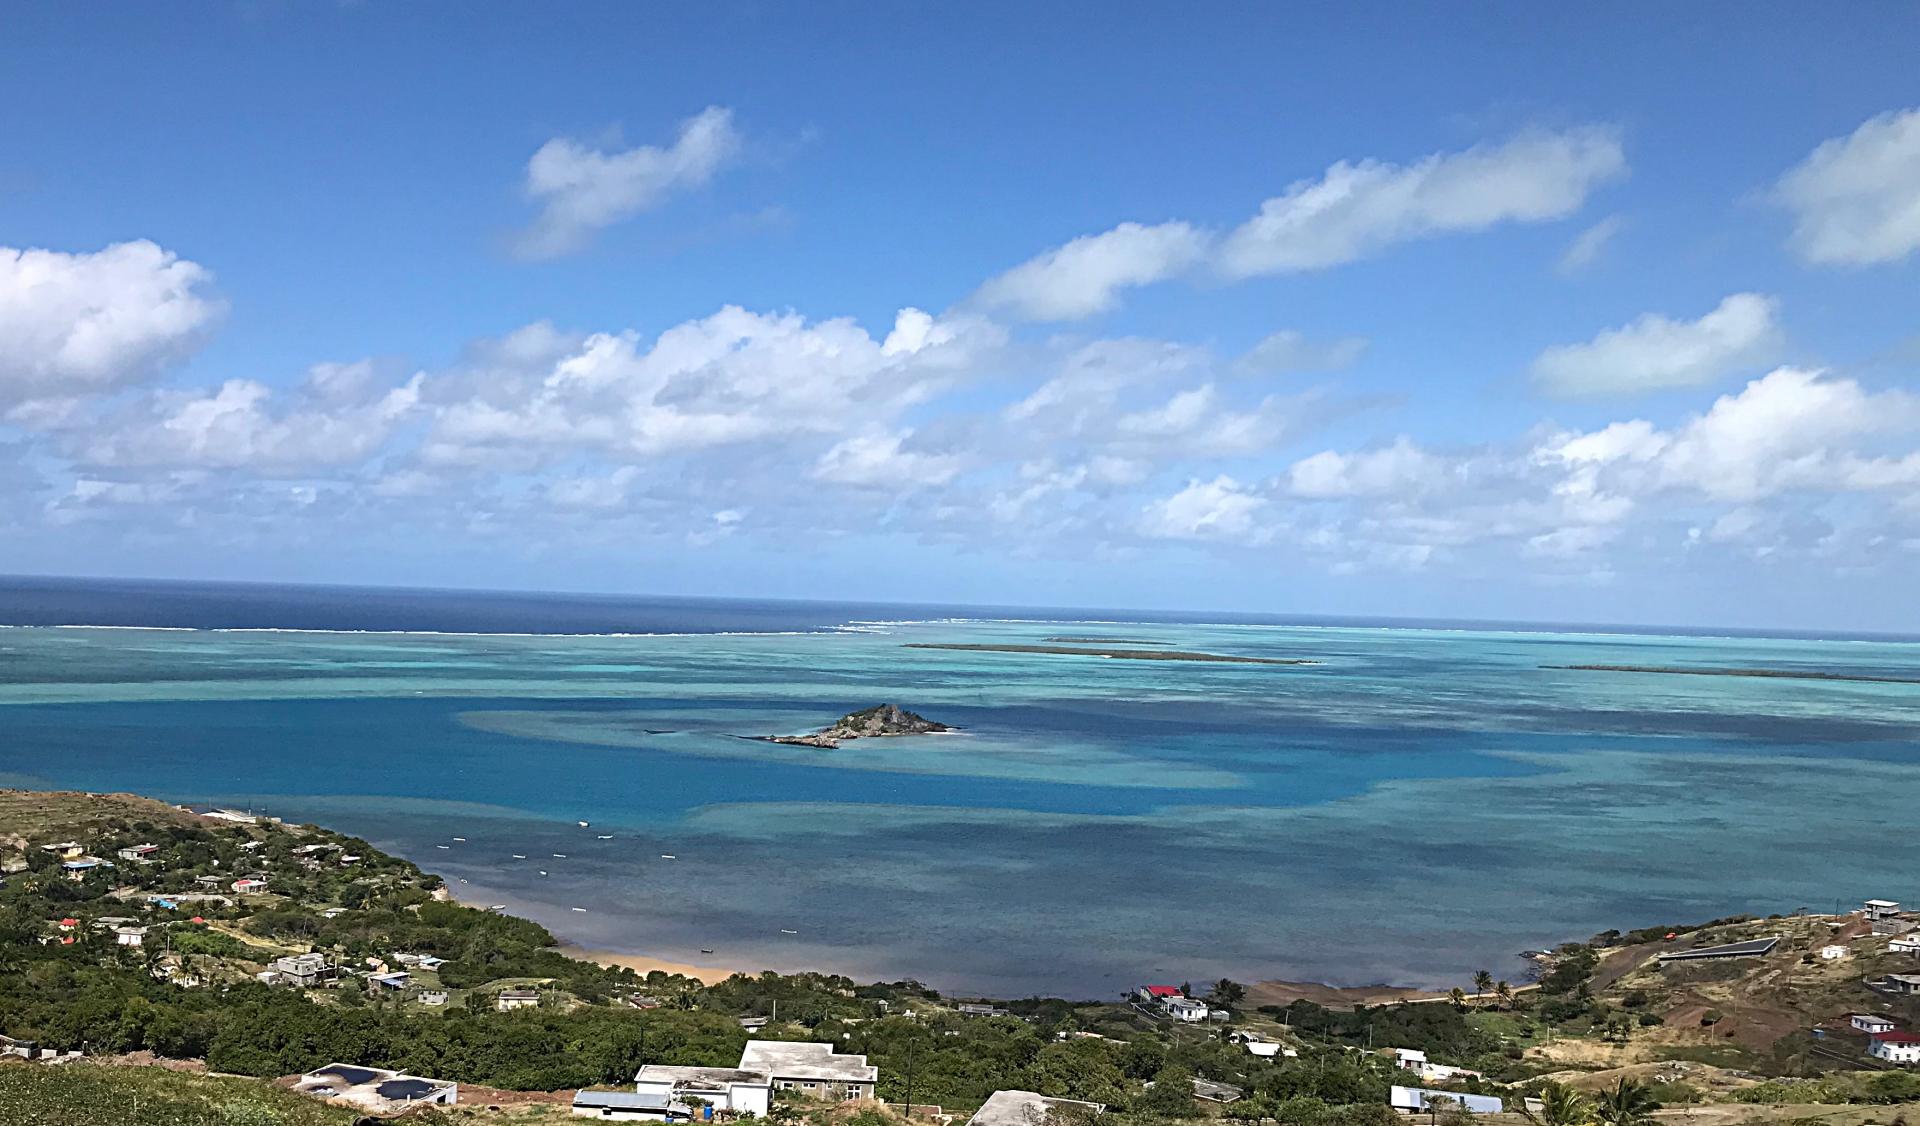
(1418, 804)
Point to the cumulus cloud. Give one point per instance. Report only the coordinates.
(1085, 276)
(582, 189)
(1357, 209)
(1856, 199)
(1655, 353)
(337, 417)
(1398, 469)
(880, 461)
(73, 325)
(1220, 509)
(726, 379)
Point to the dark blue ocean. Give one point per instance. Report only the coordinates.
(1424, 799)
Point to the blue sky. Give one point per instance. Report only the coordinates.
(1501, 312)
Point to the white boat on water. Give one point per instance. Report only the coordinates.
(498, 907)
(783, 930)
(604, 837)
(583, 824)
(462, 840)
(668, 856)
(582, 910)
(519, 856)
(559, 856)
(443, 846)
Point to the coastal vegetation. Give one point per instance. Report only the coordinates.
(192, 989)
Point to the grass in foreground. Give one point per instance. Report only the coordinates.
(90, 1095)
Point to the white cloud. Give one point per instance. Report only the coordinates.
(1856, 199)
(1085, 276)
(1220, 509)
(1400, 468)
(1358, 209)
(730, 378)
(338, 417)
(879, 461)
(1289, 350)
(73, 325)
(582, 190)
(1590, 244)
(1655, 353)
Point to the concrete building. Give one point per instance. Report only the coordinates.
(1877, 909)
(626, 1106)
(682, 1089)
(1903, 985)
(1869, 1023)
(811, 1069)
(1833, 952)
(1182, 1008)
(1216, 1092)
(1906, 944)
(375, 1089)
(308, 971)
(508, 1000)
(140, 853)
(1420, 1100)
(1895, 1047)
(1026, 1108)
(129, 936)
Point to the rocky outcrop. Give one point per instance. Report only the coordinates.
(879, 721)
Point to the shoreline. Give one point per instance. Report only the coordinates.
(644, 964)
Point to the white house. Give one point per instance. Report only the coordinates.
(1185, 1008)
(508, 1000)
(1905, 944)
(1410, 1058)
(140, 853)
(1444, 1073)
(1419, 1100)
(1877, 909)
(723, 1088)
(129, 936)
(1833, 952)
(1895, 1047)
(812, 1069)
(1869, 1023)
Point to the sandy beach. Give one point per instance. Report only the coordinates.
(644, 964)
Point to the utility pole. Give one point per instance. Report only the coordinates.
(913, 1050)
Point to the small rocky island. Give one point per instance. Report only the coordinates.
(880, 720)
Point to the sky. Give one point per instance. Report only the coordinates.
(1491, 311)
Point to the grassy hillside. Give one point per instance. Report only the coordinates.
(88, 1095)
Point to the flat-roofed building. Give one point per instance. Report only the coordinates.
(734, 1089)
(1028, 1108)
(626, 1106)
(811, 1069)
(1420, 1100)
(375, 1088)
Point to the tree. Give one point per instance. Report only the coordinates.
(1458, 997)
(1226, 993)
(1627, 1103)
(1505, 993)
(1560, 1105)
(1482, 982)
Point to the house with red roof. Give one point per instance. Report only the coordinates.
(1157, 994)
(1895, 1047)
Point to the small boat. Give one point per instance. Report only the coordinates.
(783, 930)
(519, 856)
(583, 824)
(443, 846)
(582, 910)
(462, 840)
(604, 837)
(543, 871)
(463, 881)
(559, 856)
(498, 907)
(668, 856)
(704, 950)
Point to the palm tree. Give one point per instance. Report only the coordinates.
(1560, 1105)
(1505, 992)
(1458, 997)
(1482, 982)
(1629, 1103)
